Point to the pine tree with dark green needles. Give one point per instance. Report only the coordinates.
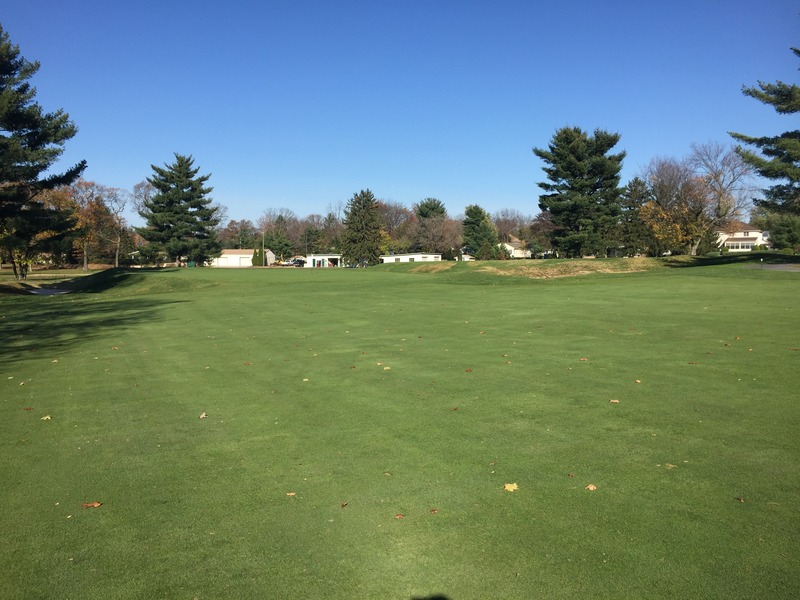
(361, 238)
(779, 157)
(31, 141)
(583, 189)
(480, 234)
(429, 208)
(180, 217)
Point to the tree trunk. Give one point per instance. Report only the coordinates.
(86, 256)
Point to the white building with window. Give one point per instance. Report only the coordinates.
(414, 257)
(737, 236)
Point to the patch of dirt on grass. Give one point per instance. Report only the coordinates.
(572, 268)
(433, 267)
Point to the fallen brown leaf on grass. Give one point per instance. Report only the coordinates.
(92, 504)
(591, 487)
(638, 381)
(570, 475)
(434, 511)
(614, 401)
(344, 504)
(28, 408)
(203, 415)
(291, 493)
(511, 487)
(741, 498)
(584, 359)
(454, 408)
(468, 370)
(399, 516)
(247, 363)
(795, 349)
(670, 466)
(46, 418)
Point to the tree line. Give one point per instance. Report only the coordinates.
(674, 205)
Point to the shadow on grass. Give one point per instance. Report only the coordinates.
(105, 280)
(94, 283)
(729, 258)
(29, 324)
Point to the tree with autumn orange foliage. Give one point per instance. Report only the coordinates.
(101, 226)
(690, 198)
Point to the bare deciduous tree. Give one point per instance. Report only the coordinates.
(509, 221)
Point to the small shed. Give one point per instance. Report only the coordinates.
(323, 261)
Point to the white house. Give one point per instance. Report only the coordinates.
(240, 257)
(323, 261)
(515, 248)
(414, 257)
(741, 237)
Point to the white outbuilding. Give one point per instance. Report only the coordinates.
(323, 261)
(240, 257)
(414, 257)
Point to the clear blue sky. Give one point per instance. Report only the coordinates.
(300, 104)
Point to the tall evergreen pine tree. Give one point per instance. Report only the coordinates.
(180, 219)
(31, 141)
(480, 234)
(584, 197)
(361, 239)
(780, 155)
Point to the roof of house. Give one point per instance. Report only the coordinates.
(737, 226)
(240, 251)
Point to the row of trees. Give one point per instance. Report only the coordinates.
(425, 227)
(673, 205)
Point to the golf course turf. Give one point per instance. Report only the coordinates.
(360, 428)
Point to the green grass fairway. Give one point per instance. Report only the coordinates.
(361, 426)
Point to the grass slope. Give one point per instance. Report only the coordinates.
(372, 394)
